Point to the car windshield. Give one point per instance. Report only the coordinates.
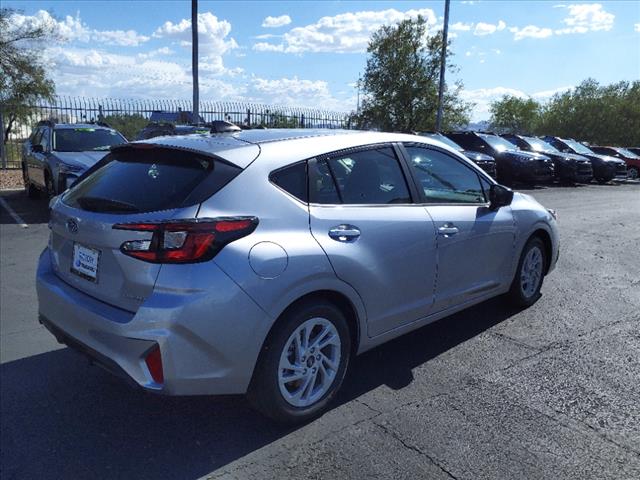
(578, 147)
(540, 145)
(443, 139)
(85, 139)
(626, 153)
(499, 143)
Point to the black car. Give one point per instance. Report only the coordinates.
(513, 165)
(56, 154)
(485, 162)
(631, 158)
(569, 167)
(605, 167)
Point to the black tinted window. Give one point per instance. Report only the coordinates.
(369, 177)
(147, 180)
(293, 179)
(444, 179)
(85, 139)
(322, 188)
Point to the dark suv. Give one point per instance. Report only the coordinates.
(485, 162)
(569, 167)
(56, 154)
(513, 165)
(605, 167)
(632, 159)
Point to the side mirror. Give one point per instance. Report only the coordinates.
(499, 196)
(37, 148)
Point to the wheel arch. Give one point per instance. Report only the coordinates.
(544, 236)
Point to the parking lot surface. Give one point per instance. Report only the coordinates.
(491, 392)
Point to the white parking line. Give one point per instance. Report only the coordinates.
(13, 214)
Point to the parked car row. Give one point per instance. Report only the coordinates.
(56, 154)
(526, 159)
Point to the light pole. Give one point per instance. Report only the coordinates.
(194, 61)
(443, 65)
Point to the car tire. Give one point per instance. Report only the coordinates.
(303, 392)
(49, 187)
(633, 173)
(30, 188)
(527, 282)
(602, 181)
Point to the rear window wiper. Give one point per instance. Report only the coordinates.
(99, 204)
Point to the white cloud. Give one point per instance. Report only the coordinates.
(488, 28)
(530, 31)
(268, 47)
(213, 38)
(73, 29)
(586, 17)
(343, 33)
(275, 22)
(461, 26)
(636, 27)
(298, 92)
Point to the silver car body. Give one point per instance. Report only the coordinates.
(211, 319)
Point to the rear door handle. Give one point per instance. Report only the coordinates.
(448, 230)
(344, 233)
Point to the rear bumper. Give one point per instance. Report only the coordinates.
(209, 340)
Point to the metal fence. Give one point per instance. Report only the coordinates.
(133, 115)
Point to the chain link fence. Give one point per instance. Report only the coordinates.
(130, 116)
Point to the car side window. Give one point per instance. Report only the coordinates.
(369, 177)
(443, 178)
(292, 179)
(44, 139)
(37, 135)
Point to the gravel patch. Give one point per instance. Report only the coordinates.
(11, 179)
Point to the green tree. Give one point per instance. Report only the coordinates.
(608, 114)
(513, 114)
(401, 81)
(127, 124)
(23, 78)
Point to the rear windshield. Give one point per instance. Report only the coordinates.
(85, 139)
(136, 180)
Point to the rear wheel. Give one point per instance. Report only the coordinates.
(633, 173)
(303, 363)
(30, 188)
(50, 189)
(525, 288)
(602, 181)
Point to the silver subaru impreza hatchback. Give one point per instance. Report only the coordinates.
(261, 261)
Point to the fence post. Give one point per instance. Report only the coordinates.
(248, 117)
(3, 153)
(302, 120)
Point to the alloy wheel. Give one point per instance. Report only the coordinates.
(531, 272)
(309, 362)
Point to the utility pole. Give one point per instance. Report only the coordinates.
(194, 61)
(443, 65)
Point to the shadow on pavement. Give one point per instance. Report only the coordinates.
(32, 211)
(61, 418)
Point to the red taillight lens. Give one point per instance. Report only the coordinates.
(154, 364)
(185, 241)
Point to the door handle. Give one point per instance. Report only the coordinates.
(344, 233)
(448, 230)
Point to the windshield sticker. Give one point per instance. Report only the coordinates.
(153, 171)
(85, 129)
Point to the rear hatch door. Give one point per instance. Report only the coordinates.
(131, 186)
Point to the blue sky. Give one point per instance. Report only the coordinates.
(311, 53)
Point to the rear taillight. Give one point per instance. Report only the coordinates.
(154, 364)
(185, 241)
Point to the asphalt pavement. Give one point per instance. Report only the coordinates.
(491, 392)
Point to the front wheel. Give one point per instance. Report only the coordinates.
(527, 282)
(303, 363)
(633, 173)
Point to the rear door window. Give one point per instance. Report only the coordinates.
(364, 177)
(136, 180)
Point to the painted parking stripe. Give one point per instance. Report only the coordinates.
(13, 214)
